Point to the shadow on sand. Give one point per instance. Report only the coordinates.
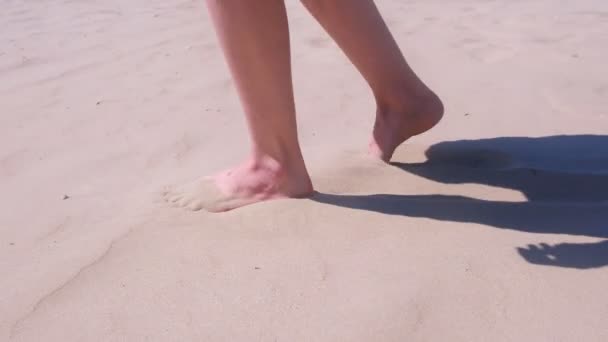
(564, 178)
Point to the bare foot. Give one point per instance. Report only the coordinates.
(249, 183)
(393, 127)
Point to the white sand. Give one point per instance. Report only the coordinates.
(105, 102)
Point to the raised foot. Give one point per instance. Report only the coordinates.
(250, 183)
(393, 127)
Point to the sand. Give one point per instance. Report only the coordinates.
(491, 227)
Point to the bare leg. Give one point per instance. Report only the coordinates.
(405, 105)
(255, 38)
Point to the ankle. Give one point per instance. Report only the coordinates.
(282, 150)
(260, 163)
(278, 166)
(411, 106)
(403, 97)
(286, 176)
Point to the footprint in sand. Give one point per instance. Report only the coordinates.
(480, 49)
(318, 42)
(491, 53)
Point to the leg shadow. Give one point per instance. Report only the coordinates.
(545, 218)
(564, 178)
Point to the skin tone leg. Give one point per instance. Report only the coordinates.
(254, 36)
(255, 39)
(405, 105)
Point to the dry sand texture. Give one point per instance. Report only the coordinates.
(492, 227)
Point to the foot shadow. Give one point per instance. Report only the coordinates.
(571, 255)
(564, 178)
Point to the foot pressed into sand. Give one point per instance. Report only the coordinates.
(266, 178)
(255, 181)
